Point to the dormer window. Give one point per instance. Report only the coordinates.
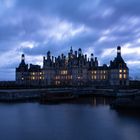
(120, 70)
(124, 71)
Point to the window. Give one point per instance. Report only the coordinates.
(120, 76)
(124, 76)
(101, 77)
(120, 70)
(64, 72)
(124, 71)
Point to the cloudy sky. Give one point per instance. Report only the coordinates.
(35, 26)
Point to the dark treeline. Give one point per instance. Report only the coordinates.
(133, 84)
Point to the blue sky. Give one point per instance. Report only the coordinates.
(97, 26)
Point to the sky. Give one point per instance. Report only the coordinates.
(34, 27)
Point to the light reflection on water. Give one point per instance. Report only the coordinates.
(91, 120)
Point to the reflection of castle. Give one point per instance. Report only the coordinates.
(74, 70)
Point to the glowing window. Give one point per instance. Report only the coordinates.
(120, 70)
(64, 72)
(124, 71)
(120, 76)
(124, 76)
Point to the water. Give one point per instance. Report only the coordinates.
(33, 121)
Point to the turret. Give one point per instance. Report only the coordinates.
(96, 62)
(79, 52)
(92, 57)
(118, 51)
(23, 58)
(71, 50)
(48, 55)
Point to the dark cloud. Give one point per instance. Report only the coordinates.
(35, 26)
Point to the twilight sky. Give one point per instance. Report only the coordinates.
(35, 26)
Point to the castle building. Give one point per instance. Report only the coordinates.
(73, 70)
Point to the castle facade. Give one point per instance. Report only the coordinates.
(73, 70)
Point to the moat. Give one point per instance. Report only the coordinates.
(87, 120)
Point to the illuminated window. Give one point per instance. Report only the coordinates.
(95, 72)
(120, 70)
(120, 76)
(22, 78)
(57, 82)
(95, 77)
(40, 73)
(104, 77)
(124, 76)
(33, 78)
(101, 77)
(104, 71)
(64, 72)
(40, 77)
(33, 73)
(124, 71)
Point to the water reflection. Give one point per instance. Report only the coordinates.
(94, 100)
(90, 119)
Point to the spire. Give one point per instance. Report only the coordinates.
(71, 50)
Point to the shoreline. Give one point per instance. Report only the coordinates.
(62, 94)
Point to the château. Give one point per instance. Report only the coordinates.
(75, 69)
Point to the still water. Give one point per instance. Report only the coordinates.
(33, 121)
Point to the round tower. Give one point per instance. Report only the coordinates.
(118, 51)
(22, 58)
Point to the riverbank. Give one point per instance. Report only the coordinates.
(61, 94)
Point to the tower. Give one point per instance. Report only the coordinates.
(71, 50)
(118, 51)
(22, 59)
(79, 52)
